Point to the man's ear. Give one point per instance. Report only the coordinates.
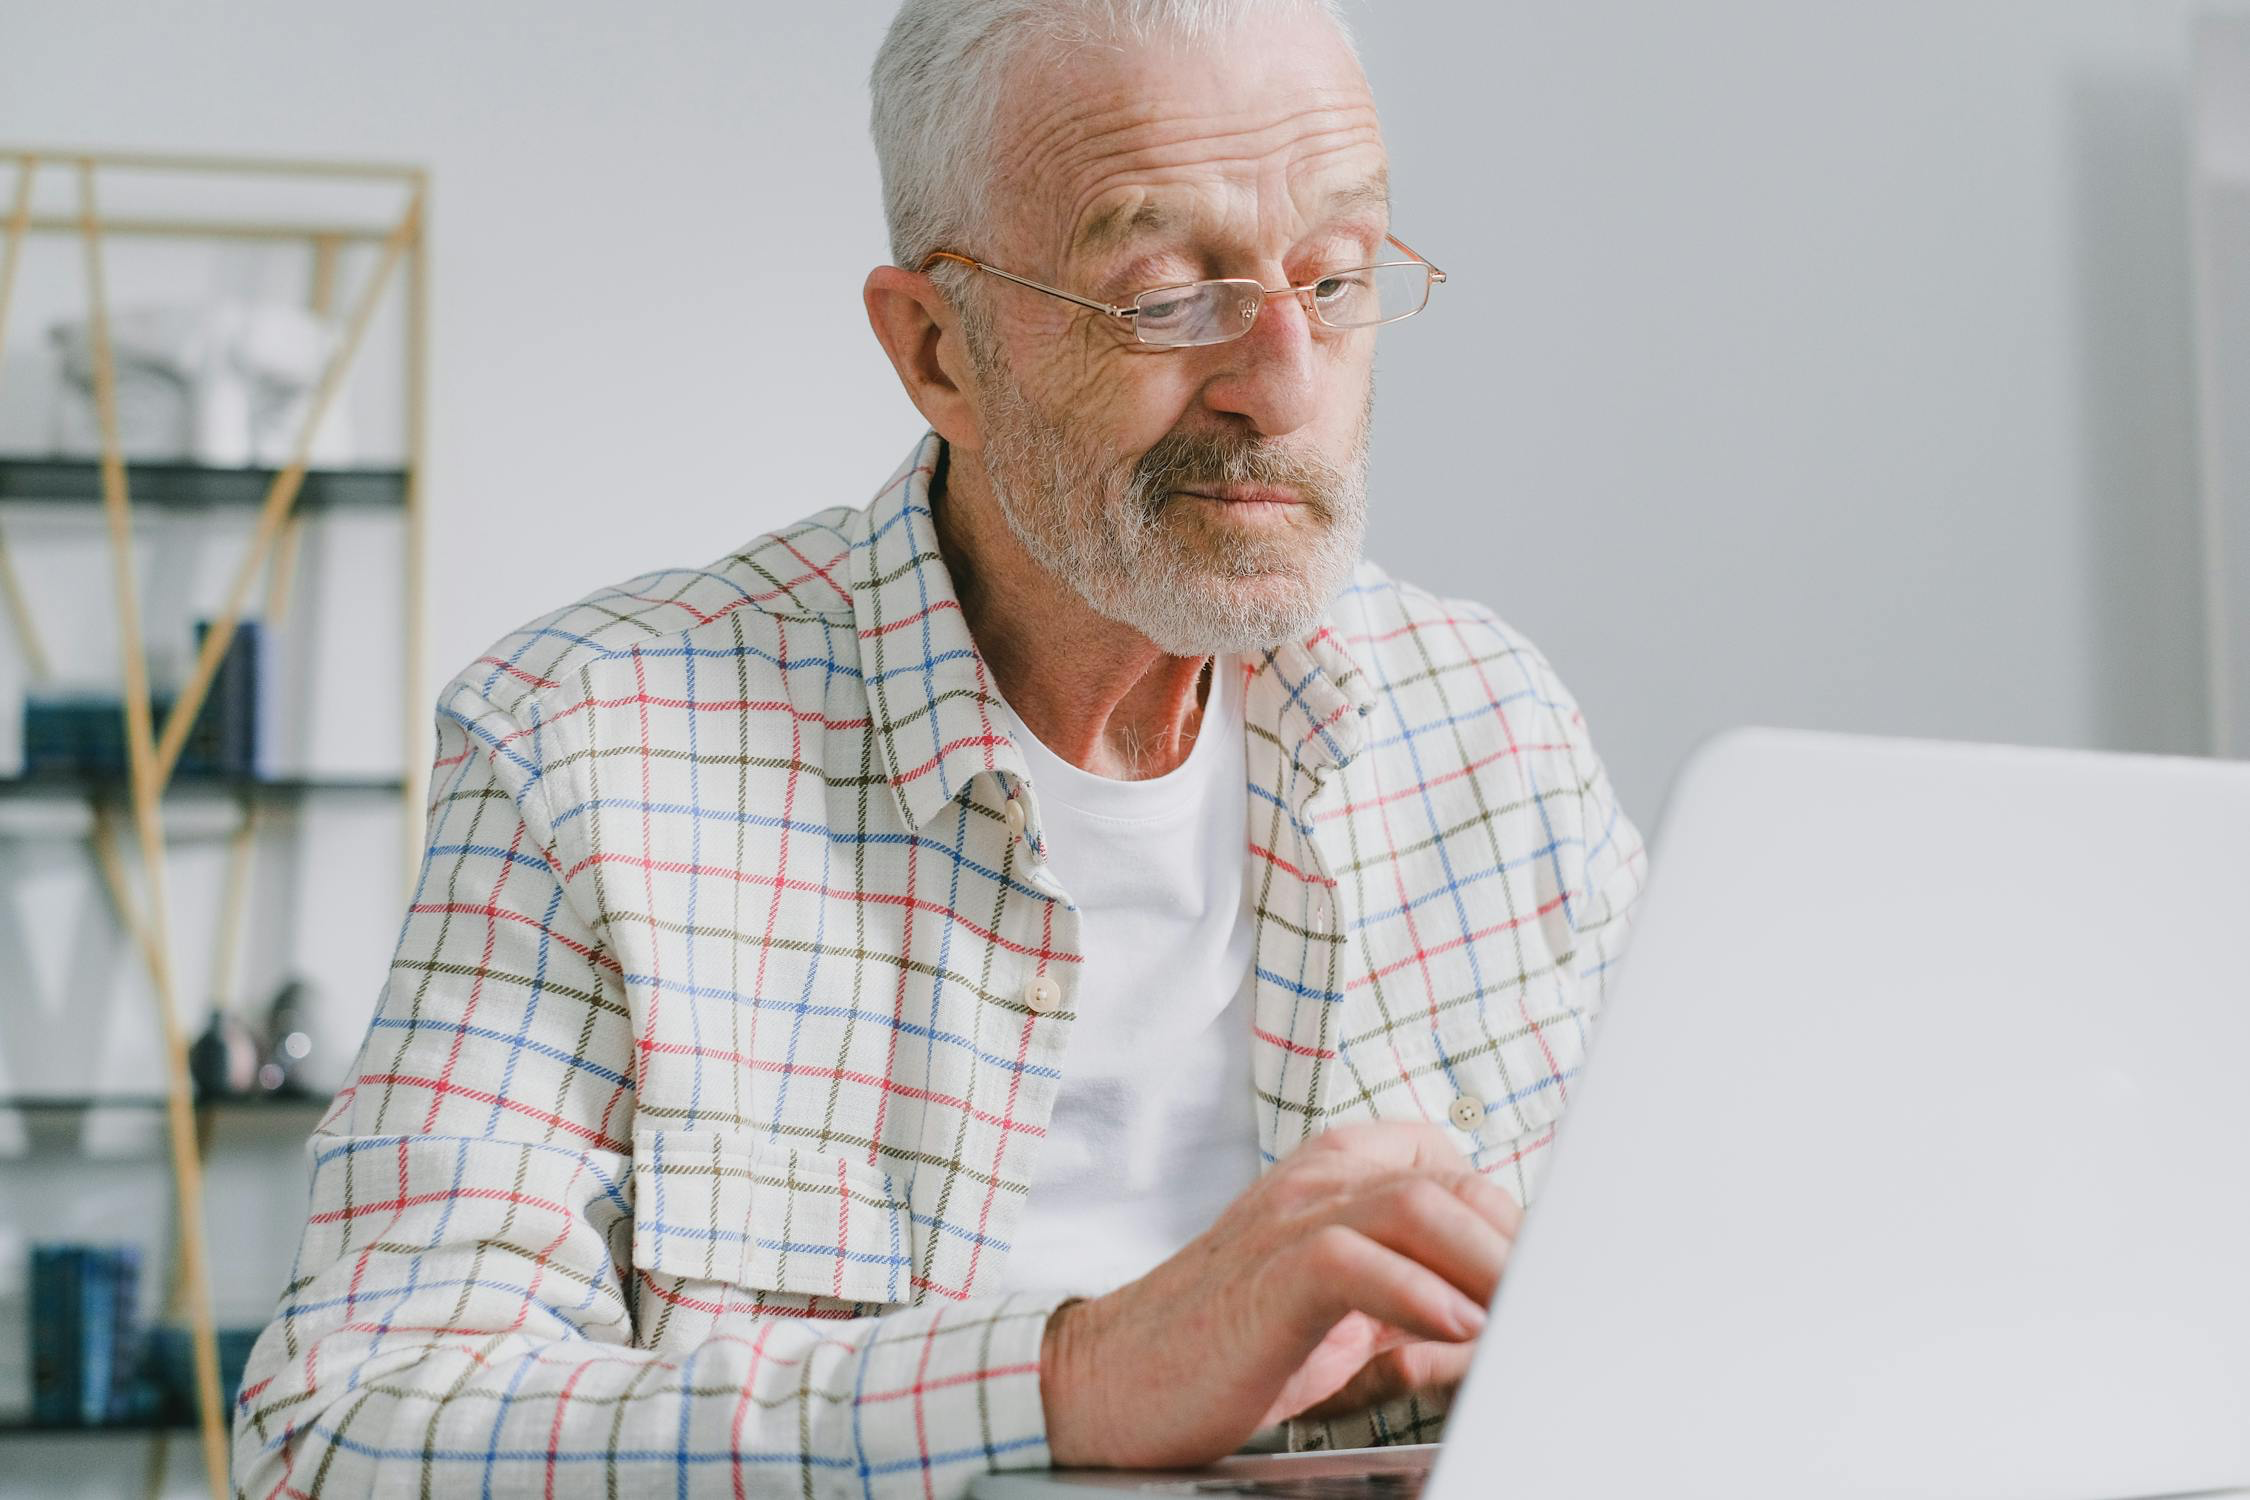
(921, 333)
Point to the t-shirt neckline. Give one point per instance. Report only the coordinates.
(1183, 787)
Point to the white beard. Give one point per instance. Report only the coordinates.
(1111, 530)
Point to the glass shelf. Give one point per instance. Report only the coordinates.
(63, 1104)
(78, 481)
(30, 1426)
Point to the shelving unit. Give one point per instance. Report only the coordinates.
(55, 1120)
(276, 501)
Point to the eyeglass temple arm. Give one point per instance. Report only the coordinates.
(1037, 286)
(1435, 273)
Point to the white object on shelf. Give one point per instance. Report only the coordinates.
(226, 383)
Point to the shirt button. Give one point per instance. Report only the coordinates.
(1318, 919)
(1042, 995)
(1466, 1112)
(1014, 815)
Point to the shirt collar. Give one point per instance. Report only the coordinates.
(934, 711)
(1313, 698)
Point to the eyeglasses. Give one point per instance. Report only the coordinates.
(1195, 313)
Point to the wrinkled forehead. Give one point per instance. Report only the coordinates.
(1243, 143)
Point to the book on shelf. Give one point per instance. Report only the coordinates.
(85, 1332)
(224, 738)
(83, 733)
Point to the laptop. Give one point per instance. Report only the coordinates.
(1912, 1156)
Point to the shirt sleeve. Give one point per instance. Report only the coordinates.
(1601, 905)
(1616, 859)
(465, 1312)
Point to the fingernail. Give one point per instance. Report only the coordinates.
(1468, 1315)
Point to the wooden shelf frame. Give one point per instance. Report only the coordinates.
(153, 749)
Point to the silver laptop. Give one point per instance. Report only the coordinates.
(1912, 1158)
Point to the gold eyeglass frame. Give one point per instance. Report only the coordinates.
(1127, 313)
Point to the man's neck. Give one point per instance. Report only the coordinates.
(1097, 693)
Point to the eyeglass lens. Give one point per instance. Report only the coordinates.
(1212, 312)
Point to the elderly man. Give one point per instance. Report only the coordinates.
(1063, 964)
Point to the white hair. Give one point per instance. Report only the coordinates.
(937, 85)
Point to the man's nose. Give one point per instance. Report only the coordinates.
(1271, 375)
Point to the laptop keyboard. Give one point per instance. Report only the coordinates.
(1392, 1484)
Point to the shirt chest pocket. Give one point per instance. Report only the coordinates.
(714, 1206)
(1500, 1072)
(1510, 1075)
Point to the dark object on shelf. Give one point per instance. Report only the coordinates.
(83, 734)
(225, 1059)
(85, 1332)
(234, 1059)
(55, 1358)
(223, 741)
(79, 481)
(76, 732)
(289, 1040)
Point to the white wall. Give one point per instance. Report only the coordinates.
(1807, 363)
(1838, 362)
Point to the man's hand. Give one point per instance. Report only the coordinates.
(1358, 1268)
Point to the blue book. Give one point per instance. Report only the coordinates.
(129, 1348)
(223, 740)
(84, 1332)
(55, 1344)
(97, 1332)
(74, 733)
(112, 1331)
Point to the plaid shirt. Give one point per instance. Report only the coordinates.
(692, 1126)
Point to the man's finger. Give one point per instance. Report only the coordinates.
(1496, 1204)
(1431, 1222)
(1402, 1145)
(1396, 1373)
(1337, 1270)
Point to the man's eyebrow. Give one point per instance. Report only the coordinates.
(1115, 225)
(1121, 223)
(1360, 197)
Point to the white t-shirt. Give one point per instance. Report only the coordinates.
(1153, 1131)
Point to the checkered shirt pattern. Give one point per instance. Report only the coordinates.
(692, 1126)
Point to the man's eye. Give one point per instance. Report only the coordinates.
(1175, 309)
(1339, 288)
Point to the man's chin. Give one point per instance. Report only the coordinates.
(1228, 615)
